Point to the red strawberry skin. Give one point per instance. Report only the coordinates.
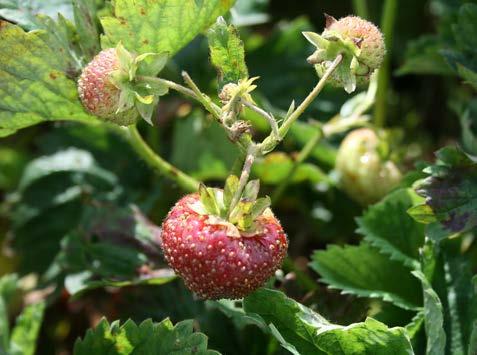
(98, 95)
(215, 265)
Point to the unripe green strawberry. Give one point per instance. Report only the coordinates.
(359, 42)
(364, 174)
(99, 95)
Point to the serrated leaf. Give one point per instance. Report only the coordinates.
(87, 27)
(451, 192)
(227, 53)
(387, 226)
(25, 333)
(23, 12)
(145, 338)
(302, 331)
(34, 80)
(433, 317)
(146, 26)
(363, 271)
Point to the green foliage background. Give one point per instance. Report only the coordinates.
(74, 196)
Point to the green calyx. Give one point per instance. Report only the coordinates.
(135, 79)
(330, 44)
(218, 203)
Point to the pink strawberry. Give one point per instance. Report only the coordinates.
(98, 93)
(216, 259)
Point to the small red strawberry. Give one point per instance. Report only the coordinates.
(98, 93)
(119, 87)
(214, 257)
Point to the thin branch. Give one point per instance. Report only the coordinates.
(271, 142)
(161, 166)
(268, 116)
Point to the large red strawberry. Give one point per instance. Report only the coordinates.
(214, 257)
(99, 94)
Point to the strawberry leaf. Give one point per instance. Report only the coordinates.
(451, 194)
(145, 338)
(227, 53)
(87, 27)
(300, 330)
(388, 227)
(34, 80)
(349, 268)
(145, 26)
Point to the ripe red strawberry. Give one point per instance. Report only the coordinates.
(98, 93)
(215, 261)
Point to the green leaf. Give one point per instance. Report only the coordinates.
(87, 26)
(452, 281)
(473, 334)
(145, 26)
(388, 227)
(227, 53)
(23, 12)
(25, 332)
(451, 192)
(34, 84)
(302, 331)
(231, 187)
(423, 56)
(146, 338)
(433, 318)
(251, 190)
(363, 271)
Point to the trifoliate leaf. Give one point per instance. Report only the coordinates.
(349, 268)
(145, 338)
(303, 331)
(227, 53)
(145, 26)
(34, 80)
(388, 227)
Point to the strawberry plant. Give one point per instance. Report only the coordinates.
(225, 177)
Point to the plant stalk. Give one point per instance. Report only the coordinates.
(360, 7)
(384, 74)
(247, 167)
(271, 142)
(161, 166)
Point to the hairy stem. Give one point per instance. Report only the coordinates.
(271, 142)
(268, 116)
(387, 25)
(247, 167)
(203, 99)
(161, 166)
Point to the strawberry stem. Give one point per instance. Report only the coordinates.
(247, 167)
(185, 181)
(271, 142)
